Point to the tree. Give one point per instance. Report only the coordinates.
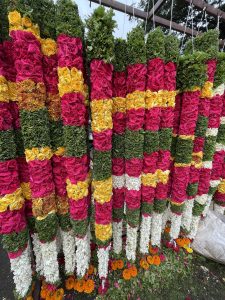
(180, 13)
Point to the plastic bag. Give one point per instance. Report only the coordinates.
(210, 238)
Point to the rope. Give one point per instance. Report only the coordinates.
(100, 2)
(146, 19)
(124, 17)
(201, 21)
(153, 13)
(218, 22)
(171, 16)
(192, 26)
(185, 27)
(206, 22)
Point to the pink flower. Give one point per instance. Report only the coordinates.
(119, 84)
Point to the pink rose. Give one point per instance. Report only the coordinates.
(103, 213)
(9, 178)
(78, 209)
(118, 166)
(155, 75)
(102, 141)
(135, 118)
(119, 84)
(136, 77)
(152, 118)
(77, 168)
(133, 166)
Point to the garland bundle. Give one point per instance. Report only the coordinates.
(119, 126)
(208, 43)
(100, 47)
(219, 196)
(218, 158)
(53, 104)
(35, 131)
(155, 51)
(134, 135)
(13, 226)
(191, 76)
(216, 104)
(69, 29)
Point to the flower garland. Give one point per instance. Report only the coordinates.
(69, 29)
(35, 130)
(53, 104)
(100, 46)
(218, 158)
(155, 50)
(191, 76)
(134, 135)
(202, 44)
(219, 196)
(119, 126)
(13, 227)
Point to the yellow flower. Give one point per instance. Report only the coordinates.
(14, 201)
(101, 115)
(135, 100)
(48, 47)
(103, 232)
(168, 98)
(221, 187)
(12, 89)
(26, 22)
(77, 191)
(60, 151)
(4, 92)
(14, 18)
(149, 179)
(207, 90)
(25, 186)
(163, 176)
(38, 153)
(102, 190)
(119, 104)
(70, 80)
(153, 99)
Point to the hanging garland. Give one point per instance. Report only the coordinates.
(155, 50)
(134, 135)
(208, 43)
(191, 76)
(13, 227)
(219, 156)
(119, 126)
(69, 29)
(100, 47)
(35, 131)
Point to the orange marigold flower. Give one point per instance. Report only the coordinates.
(59, 294)
(114, 265)
(180, 242)
(153, 250)
(91, 270)
(186, 241)
(120, 264)
(29, 298)
(50, 295)
(89, 286)
(150, 259)
(133, 271)
(156, 260)
(80, 285)
(144, 264)
(69, 284)
(44, 292)
(126, 274)
(167, 230)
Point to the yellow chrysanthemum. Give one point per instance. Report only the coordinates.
(119, 105)
(12, 90)
(48, 47)
(26, 22)
(135, 100)
(70, 80)
(60, 151)
(101, 115)
(79, 190)
(163, 176)
(103, 232)
(14, 18)
(38, 153)
(168, 98)
(25, 186)
(149, 179)
(221, 187)
(4, 91)
(102, 190)
(153, 99)
(14, 201)
(207, 90)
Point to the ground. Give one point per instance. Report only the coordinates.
(182, 276)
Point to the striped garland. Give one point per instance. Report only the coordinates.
(53, 104)
(101, 74)
(191, 76)
(219, 197)
(199, 141)
(119, 126)
(134, 135)
(35, 131)
(13, 226)
(165, 138)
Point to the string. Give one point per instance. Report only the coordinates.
(206, 22)
(171, 16)
(218, 22)
(124, 17)
(153, 13)
(192, 26)
(223, 46)
(146, 19)
(185, 27)
(100, 2)
(201, 21)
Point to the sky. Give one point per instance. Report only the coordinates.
(123, 23)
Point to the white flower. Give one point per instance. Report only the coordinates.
(68, 243)
(22, 273)
(187, 214)
(208, 203)
(133, 183)
(222, 120)
(219, 90)
(175, 225)
(211, 131)
(156, 229)
(82, 255)
(145, 233)
(37, 252)
(194, 227)
(207, 164)
(218, 208)
(50, 262)
(118, 181)
(103, 260)
(117, 236)
(166, 217)
(220, 147)
(201, 199)
(131, 243)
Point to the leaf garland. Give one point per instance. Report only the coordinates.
(171, 48)
(121, 55)
(155, 45)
